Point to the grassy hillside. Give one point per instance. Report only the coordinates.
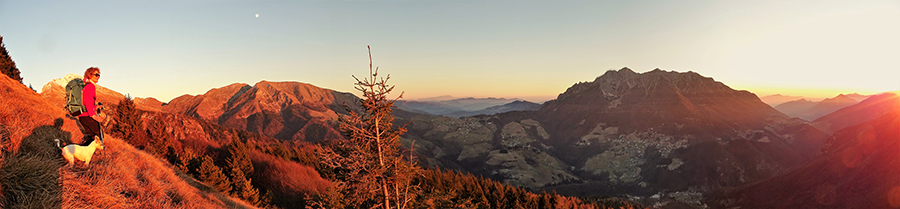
(128, 178)
(33, 173)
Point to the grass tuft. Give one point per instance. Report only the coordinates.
(30, 181)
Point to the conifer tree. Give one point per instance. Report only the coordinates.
(7, 65)
(241, 187)
(184, 160)
(239, 157)
(212, 175)
(370, 168)
(128, 123)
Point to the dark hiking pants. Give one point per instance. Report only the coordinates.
(91, 128)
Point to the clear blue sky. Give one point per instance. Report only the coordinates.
(531, 49)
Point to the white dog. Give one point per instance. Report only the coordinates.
(74, 151)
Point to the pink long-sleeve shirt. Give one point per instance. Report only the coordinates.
(88, 98)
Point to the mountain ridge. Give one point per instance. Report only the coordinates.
(866, 110)
(284, 110)
(810, 111)
(856, 169)
(451, 106)
(518, 105)
(684, 93)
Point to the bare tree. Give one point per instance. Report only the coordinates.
(369, 165)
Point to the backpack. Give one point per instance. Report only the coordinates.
(73, 97)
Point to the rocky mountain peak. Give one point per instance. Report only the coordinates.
(55, 91)
(287, 93)
(613, 84)
(206, 106)
(62, 82)
(283, 110)
(663, 100)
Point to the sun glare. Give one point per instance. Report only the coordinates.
(894, 197)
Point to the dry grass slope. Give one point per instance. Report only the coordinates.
(124, 177)
(22, 110)
(33, 175)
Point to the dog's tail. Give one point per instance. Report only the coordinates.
(58, 143)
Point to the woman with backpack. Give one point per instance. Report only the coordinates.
(89, 118)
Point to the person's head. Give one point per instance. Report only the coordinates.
(92, 74)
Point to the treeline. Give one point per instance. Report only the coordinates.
(261, 170)
(450, 189)
(226, 169)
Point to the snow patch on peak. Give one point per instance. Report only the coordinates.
(60, 81)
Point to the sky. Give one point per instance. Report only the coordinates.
(531, 50)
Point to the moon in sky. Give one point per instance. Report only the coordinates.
(257, 15)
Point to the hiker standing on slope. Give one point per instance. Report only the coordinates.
(89, 118)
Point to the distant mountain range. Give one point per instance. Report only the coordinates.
(777, 99)
(459, 107)
(509, 107)
(857, 168)
(869, 109)
(809, 110)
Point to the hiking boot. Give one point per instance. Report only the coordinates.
(87, 140)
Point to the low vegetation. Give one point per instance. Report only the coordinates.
(33, 173)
